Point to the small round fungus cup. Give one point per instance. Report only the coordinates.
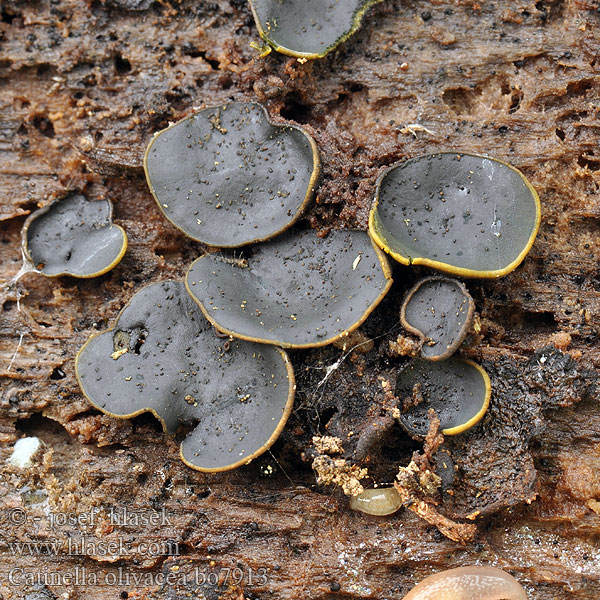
(73, 236)
(458, 390)
(440, 311)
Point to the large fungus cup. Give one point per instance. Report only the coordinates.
(299, 291)
(440, 311)
(465, 214)
(226, 176)
(308, 28)
(163, 357)
(458, 390)
(73, 236)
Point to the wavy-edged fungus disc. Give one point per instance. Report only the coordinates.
(227, 176)
(299, 291)
(164, 357)
(308, 28)
(474, 582)
(465, 214)
(458, 390)
(74, 236)
(440, 311)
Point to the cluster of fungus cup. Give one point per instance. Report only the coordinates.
(229, 164)
(467, 215)
(307, 29)
(73, 236)
(228, 176)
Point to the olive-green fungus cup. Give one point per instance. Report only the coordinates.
(440, 311)
(465, 214)
(298, 291)
(308, 28)
(163, 357)
(227, 176)
(458, 390)
(73, 236)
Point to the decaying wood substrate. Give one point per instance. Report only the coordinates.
(84, 84)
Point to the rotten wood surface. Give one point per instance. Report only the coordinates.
(84, 84)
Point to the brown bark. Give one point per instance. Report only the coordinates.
(84, 84)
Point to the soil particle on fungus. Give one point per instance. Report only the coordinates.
(337, 471)
(327, 444)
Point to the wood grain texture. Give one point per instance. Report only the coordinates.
(84, 84)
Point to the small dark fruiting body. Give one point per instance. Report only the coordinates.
(308, 28)
(163, 357)
(440, 311)
(227, 176)
(74, 236)
(468, 583)
(458, 390)
(465, 214)
(298, 291)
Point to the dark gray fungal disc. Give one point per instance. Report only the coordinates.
(299, 291)
(73, 236)
(227, 176)
(308, 28)
(164, 357)
(468, 215)
(458, 390)
(440, 311)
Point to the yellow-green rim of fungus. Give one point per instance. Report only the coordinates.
(302, 207)
(471, 422)
(387, 272)
(376, 229)
(486, 402)
(242, 462)
(356, 23)
(42, 211)
(272, 438)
